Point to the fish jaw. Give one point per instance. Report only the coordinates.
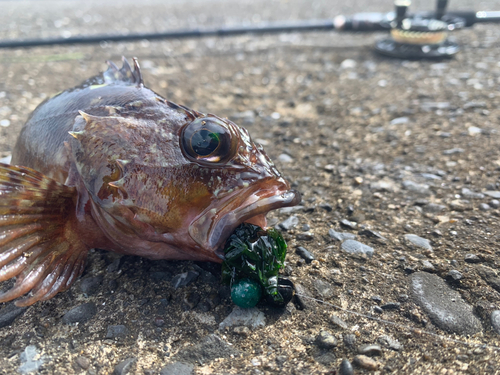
(211, 229)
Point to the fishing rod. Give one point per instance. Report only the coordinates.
(406, 30)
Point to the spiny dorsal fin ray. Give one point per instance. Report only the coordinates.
(191, 113)
(124, 75)
(35, 212)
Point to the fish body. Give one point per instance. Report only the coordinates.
(112, 165)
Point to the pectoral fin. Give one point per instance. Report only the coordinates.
(38, 244)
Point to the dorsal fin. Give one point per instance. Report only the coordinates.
(124, 75)
(191, 113)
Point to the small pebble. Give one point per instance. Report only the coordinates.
(289, 223)
(427, 266)
(454, 275)
(472, 258)
(355, 247)
(252, 318)
(431, 176)
(346, 368)
(469, 194)
(484, 207)
(350, 340)
(348, 64)
(341, 236)
(390, 342)
(304, 254)
(338, 322)
(326, 207)
(378, 309)
(306, 236)
(284, 158)
(366, 362)
(324, 288)
(31, 360)
(9, 313)
(495, 203)
(377, 299)
(371, 350)
(453, 151)
(124, 367)
(83, 362)
(492, 193)
(418, 241)
(434, 208)
(413, 187)
(177, 368)
(116, 331)
(114, 266)
(305, 228)
(90, 285)
(436, 233)
(399, 121)
(495, 321)
(325, 340)
(348, 224)
(80, 314)
(371, 234)
(184, 279)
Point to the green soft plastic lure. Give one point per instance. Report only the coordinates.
(253, 258)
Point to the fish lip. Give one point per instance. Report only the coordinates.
(212, 228)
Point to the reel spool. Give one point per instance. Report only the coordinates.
(420, 36)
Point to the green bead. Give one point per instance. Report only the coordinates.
(246, 293)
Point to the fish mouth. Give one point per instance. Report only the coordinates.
(212, 228)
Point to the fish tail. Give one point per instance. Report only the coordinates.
(37, 244)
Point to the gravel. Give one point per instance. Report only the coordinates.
(210, 347)
(327, 103)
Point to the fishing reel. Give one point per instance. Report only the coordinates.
(422, 35)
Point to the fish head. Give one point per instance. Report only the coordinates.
(175, 186)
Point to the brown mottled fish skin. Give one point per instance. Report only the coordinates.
(112, 165)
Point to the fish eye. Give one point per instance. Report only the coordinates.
(207, 139)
